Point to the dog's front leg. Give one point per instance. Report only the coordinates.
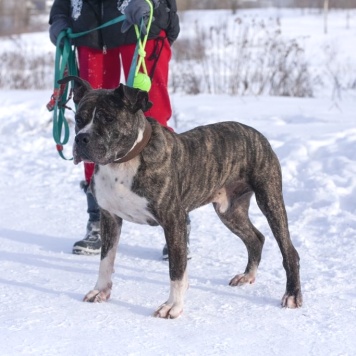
(110, 229)
(176, 238)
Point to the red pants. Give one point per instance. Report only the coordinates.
(104, 71)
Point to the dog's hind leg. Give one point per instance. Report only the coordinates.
(270, 200)
(233, 212)
(110, 229)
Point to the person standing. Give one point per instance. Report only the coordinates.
(105, 53)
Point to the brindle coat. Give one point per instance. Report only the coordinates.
(222, 163)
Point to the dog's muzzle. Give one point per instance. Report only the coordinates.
(81, 147)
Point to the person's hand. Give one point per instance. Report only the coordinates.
(135, 11)
(59, 24)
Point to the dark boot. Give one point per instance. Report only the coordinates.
(91, 244)
(165, 248)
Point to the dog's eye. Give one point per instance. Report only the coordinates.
(109, 118)
(104, 116)
(78, 120)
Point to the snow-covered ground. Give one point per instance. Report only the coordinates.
(42, 213)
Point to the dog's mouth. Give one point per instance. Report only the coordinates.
(77, 159)
(80, 156)
(90, 154)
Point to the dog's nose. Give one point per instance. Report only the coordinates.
(82, 138)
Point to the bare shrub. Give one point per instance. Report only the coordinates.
(23, 68)
(239, 58)
(340, 75)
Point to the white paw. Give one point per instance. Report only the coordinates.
(244, 278)
(173, 307)
(169, 311)
(292, 301)
(97, 296)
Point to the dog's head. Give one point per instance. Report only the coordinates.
(107, 122)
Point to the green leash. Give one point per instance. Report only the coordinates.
(66, 64)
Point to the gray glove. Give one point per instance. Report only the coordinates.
(135, 11)
(59, 23)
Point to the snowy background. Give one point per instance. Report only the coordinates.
(42, 213)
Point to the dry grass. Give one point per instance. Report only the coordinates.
(23, 68)
(247, 57)
(241, 58)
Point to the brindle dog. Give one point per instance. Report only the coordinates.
(149, 175)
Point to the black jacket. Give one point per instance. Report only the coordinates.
(88, 14)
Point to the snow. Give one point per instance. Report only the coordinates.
(43, 213)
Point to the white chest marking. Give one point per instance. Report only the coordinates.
(113, 192)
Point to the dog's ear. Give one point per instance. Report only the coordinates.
(134, 99)
(81, 87)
